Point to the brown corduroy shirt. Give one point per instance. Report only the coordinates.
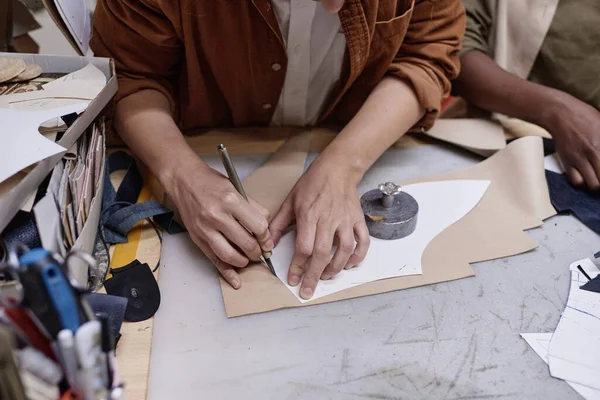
(222, 63)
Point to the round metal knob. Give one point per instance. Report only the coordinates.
(389, 191)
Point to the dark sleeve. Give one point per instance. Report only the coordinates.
(479, 25)
(141, 39)
(428, 58)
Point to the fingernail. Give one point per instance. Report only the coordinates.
(306, 293)
(236, 283)
(294, 280)
(326, 277)
(350, 266)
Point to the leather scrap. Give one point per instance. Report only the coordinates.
(137, 284)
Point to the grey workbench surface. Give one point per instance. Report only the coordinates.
(454, 340)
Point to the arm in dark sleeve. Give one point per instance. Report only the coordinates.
(141, 39)
(485, 84)
(428, 58)
(479, 25)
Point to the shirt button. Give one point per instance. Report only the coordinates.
(266, 106)
(276, 67)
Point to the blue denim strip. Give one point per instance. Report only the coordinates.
(120, 212)
(119, 223)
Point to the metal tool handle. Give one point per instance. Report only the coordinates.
(235, 180)
(231, 172)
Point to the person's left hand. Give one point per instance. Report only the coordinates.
(326, 207)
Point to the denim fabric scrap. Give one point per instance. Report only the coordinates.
(593, 285)
(120, 210)
(581, 202)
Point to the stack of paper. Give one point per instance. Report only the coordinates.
(573, 351)
(61, 215)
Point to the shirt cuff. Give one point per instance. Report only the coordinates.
(469, 44)
(426, 87)
(130, 84)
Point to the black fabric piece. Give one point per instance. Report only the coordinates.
(584, 273)
(136, 283)
(42, 189)
(113, 306)
(581, 202)
(132, 183)
(119, 271)
(22, 228)
(3, 256)
(69, 119)
(593, 285)
(597, 255)
(549, 146)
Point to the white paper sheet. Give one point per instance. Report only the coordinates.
(58, 96)
(47, 214)
(574, 353)
(441, 204)
(28, 204)
(85, 83)
(90, 75)
(540, 342)
(22, 144)
(47, 218)
(76, 16)
(552, 163)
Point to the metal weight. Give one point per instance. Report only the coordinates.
(389, 212)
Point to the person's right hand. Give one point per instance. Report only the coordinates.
(575, 127)
(219, 219)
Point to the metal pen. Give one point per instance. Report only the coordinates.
(235, 180)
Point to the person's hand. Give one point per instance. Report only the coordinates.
(575, 128)
(326, 208)
(219, 220)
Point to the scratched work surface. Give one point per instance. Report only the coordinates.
(455, 340)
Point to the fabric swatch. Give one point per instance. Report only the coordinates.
(581, 202)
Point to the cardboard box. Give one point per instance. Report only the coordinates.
(15, 193)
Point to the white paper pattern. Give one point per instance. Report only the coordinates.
(574, 353)
(540, 342)
(552, 163)
(89, 75)
(441, 204)
(76, 16)
(22, 144)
